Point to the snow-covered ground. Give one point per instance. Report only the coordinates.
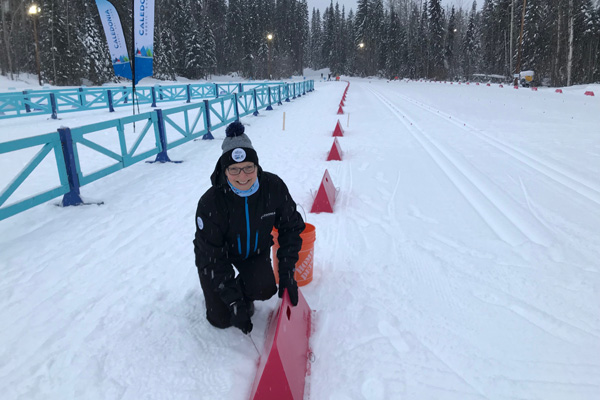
(461, 261)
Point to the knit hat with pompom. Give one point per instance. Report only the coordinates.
(237, 146)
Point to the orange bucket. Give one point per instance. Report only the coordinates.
(304, 266)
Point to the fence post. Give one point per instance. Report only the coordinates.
(255, 113)
(162, 156)
(208, 135)
(189, 94)
(216, 90)
(153, 97)
(126, 95)
(72, 198)
(269, 108)
(240, 88)
(237, 111)
(25, 100)
(304, 88)
(53, 105)
(279, 95)
(81, 96)
(109, 100)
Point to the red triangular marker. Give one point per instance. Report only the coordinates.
(338, 131)
(335, 154)
(282, 370)
(340, 110)
(325, 197)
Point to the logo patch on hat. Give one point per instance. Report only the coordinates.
(200, 223)
(238, 155)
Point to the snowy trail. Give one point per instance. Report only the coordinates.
(460, 262)
(559, 173)
(428, 277)
(502, 215)
(528, 175)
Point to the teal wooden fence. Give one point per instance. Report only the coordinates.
(159, 131)
(58, 101)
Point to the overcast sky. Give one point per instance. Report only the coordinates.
(351, 4)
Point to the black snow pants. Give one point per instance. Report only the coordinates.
(255, 279)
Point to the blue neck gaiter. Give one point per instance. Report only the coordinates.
(244, 193)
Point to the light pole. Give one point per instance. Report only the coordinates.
(269, 40)
(361, 57)
(34, 11)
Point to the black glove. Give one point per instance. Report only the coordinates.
(240, 316)
(287, 281)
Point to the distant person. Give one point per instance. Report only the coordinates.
(234, 220)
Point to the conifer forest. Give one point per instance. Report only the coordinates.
(195, 39)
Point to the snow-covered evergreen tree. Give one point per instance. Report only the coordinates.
(316, 40)
(194, 53)
(209, 62)
(183, 44)
(251, 37)
(378, 32)
(537, 39)
(423, 44)
(436, 40)
(235, 34)
(95, 59)
(53, 44)
(414, 43)
(471, 54)
(449, 51)
(488, 35)
(395, 45)
(164, 59)
(350, 44)
(216, 14)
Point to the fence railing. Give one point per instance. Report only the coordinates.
(57, 101)
(77, 151)
(48, 142)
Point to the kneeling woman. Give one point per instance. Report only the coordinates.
(234, 221)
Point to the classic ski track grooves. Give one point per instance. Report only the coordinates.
(506, 218)
(580, 185)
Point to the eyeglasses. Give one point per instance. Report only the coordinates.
(236, 171)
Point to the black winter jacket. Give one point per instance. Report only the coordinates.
(231, 228)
